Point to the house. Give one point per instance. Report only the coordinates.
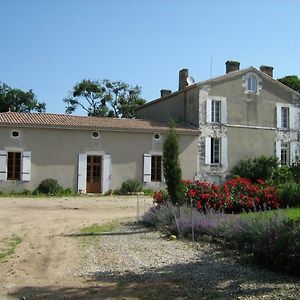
(239, 115)
(242, 114)
(87, 154)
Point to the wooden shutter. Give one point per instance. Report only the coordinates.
(208, 111)
(147, 168)
(106, 178)
(278, 150)
(3, 165)
(224, 154)
(207, 150)
(26, 166)
(82, 166)
(278, 114)
(294, 118)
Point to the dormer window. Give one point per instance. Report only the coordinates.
(252, 84)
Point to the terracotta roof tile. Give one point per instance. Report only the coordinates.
(46, 120)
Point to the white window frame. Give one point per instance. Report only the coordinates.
(285, 154)
(222, 110)
(252, 83)
(223, 151)
(216, 111)
(285, 117)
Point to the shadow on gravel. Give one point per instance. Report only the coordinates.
(206, 279)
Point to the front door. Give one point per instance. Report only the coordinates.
(93, 174)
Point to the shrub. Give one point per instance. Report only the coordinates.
(131, 186)
(282, 175)
(260, 168)
(295, 169)
(160, 197)
(171, 166)
(289, 195)
(50, 187)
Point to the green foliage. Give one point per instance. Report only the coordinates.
(282, 175)
(105, 98)
(171, 166)
(49, 187)
(17, 100)
(261, 168)
(8, 246)
(148, 192)
(289, 195)
(131, 186)
(291, 81)
(295, 169)
(99, 228)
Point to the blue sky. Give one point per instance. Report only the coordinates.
(49, 46)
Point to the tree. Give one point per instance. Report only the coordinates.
(105, 98)
(291, 81)
(19, 101)
(171, 166)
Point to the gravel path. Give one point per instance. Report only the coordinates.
(136, 263)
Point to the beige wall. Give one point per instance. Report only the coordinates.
(54, 154)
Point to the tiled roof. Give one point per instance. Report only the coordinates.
(45, 120)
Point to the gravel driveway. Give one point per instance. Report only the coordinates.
(132, 262)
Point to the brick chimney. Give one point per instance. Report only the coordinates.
(232, 66)
(164, 93)
(183, 75)
(267, 70)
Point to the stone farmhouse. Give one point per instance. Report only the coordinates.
(242, 114)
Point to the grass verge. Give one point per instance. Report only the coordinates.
(99, 228)
(8, 247)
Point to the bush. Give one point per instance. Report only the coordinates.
(161, 197)
(49, 187)
(289, 195)
(295, 169)
(260, 168)
(282, 175)
(131, 186)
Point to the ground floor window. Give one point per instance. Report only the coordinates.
(215, 156)
(156, 170)
(285, 154)
(13, 166)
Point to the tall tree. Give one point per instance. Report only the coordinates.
(171, 166)
(291, 81)
(105, 98)
(19, 101)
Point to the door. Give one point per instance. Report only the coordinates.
(93, 178)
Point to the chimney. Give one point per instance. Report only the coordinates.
(164, 93)
(232, 66)
(267, 70)
(183, 75)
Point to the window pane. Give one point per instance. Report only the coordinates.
(14, 166)
(156, 168)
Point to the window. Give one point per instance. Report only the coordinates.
(285, 154)
(156, 168)
(252, 84)
(215, 156)
(15, 134)
(216, 111)
(13, 166)
(95, 134)
(156, 136)
(285, 117)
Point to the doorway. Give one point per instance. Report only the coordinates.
(93, 178)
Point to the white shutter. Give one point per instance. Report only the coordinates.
(106, 173)
(3, 165)
(278, 151)
(224, 111)
(26, 166)
(82, 166)
(293, 151)
(147, 168)
(207, 150)
(224, 149)
(293, 118)
(278, 114)
(208, 110)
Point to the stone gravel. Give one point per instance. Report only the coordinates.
(154, 267)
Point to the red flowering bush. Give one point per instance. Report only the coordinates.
(236, 195)
(160, 197)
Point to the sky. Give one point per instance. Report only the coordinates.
(50, 45)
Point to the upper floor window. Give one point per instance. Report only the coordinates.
(285, 117)
(252, 84)
(216, 111)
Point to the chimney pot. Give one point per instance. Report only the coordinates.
(232, 66)
(183, 75)
(164, 93)
(267, 70)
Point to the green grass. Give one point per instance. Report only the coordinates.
(291, 213)
(8, 247)
(99, 228)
